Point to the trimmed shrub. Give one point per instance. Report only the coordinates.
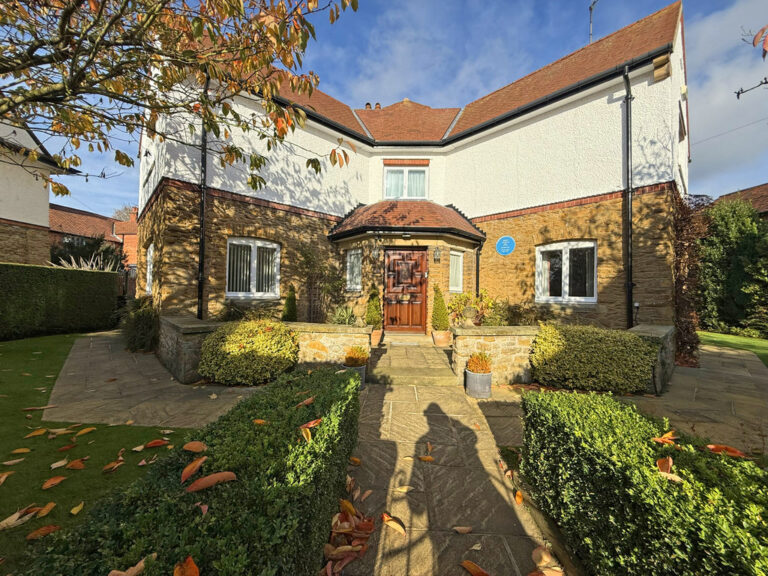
(592, 466)
(141, 325)
(272, 520)
(591, 358)
(373, 316)
(440, 320)
(356, 356)
(289, 310)
(46, 300)
(248, 353)
(479, 363)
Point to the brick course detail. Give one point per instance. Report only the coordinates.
(22, 243)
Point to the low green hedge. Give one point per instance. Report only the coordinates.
(592, 466)
(250, 352)
(141, 324)
(591, 358)
(46, 300)
(272, 520)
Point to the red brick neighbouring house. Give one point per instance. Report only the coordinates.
(756, 195)
(73, 225)
(127, 232)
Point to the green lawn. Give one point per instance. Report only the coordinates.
(756, 345)
(28, 370)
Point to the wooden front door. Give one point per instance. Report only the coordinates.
(405, 290)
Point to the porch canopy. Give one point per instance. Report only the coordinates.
(406, 216)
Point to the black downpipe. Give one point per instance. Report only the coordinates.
(203, 190)
(628, 199)
(477, 269)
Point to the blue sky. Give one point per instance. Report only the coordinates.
(449, 52)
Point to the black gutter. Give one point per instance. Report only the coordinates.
(44, 158)
(404, 230)
(594, 80)
(203, 191)
(628, 199)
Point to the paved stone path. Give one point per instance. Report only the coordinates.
(462, 487)
(725, 399)
(101, 381)
(409, 360)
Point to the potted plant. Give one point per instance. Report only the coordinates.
(356, 359)
(441, 335)
(477, 376)
(373, 315)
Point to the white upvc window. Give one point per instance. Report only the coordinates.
(456, 275)
(150, 266)
(253, 268)
(405, 182)
(567, 272)
(355, 269)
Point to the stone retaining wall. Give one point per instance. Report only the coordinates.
(665, 361)
(508, 346)
(181, 339)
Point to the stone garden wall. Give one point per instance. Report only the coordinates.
(181, 339)
(665, 361)
(508, 346)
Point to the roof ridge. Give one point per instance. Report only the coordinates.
(604, 38)
(451, 205)
(744, 189)
(79, 211)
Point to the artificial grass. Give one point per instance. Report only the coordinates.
(757, 345)
(28, 370)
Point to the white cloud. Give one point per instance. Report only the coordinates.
(719, 63)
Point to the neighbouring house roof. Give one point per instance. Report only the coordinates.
(756, 195)
(73, 222)
(21, 139)
(406, 216)
(408, 121)
(126, 228)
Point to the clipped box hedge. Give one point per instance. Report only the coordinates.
(592, 466)
(46, 300)
(591, 358)
(272, 520)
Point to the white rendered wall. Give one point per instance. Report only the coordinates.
(22, 197)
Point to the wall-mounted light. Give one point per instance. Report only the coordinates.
(436, 255)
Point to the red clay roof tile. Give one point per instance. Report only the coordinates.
(421, 215)
(407, 120)
(73, 222)
(757, 195)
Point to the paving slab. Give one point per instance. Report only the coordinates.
(462, 486)
(102, 381)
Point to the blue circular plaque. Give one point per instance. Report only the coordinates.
(505, 245)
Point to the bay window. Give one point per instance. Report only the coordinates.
(253, 268)
(566, 272)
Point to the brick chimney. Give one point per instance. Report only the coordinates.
(367, 105)
(378, 106)
(134, 214)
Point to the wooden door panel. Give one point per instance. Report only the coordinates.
(405, 290)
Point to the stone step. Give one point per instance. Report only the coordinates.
(407, 376)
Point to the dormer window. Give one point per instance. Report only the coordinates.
(405, 182)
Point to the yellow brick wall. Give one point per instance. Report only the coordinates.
(22, 244)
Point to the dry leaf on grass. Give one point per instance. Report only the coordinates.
(21, 451)
(473, 568)
(55, 481)
(45, 510)
(112, 466)
(78, 464)
(4, 476)
(67, 447)
(59, 464)
(18, 518)
(13, 462)
(211, 480)
(38, 432)
(133, 570)
(195, 446)
(306, 402)
(42, 531)
(85, 431)
(671, 477)
(156, 443)
(32, 408)
(192, 468)
(77, 509)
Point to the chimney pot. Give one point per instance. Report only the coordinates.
(378, 106)
(367, 105)
(406, 100)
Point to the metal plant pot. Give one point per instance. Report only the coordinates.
(477, 385)
(361, 372)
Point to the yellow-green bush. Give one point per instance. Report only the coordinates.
(591, 358)
(248, 353)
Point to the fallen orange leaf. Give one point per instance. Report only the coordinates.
(306, 402)
(186, 568)
(45, 510)
(211, 480)
(78, 464)
(347, 506)
(85, 431)
(727, 450)
(192, 468)
(21, 451)
(664, 464)
(38, 432)
(42, 531)
(3, 476)
(429, 447)
(13, 462)
(302, 393)
(519, 497)
(462, 529)
(112, 466)
(156, 443)
(55, 481)
(355, 461)
(427, 458)
(394, 523)
(259, 421)
(311, 423)
(195, 446)
(473, 568)
(77, 509)
(67, 447)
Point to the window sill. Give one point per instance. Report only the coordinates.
(567, 303)
(244, 297)
(354, 290)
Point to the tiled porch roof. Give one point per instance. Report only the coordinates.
(406, 216)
